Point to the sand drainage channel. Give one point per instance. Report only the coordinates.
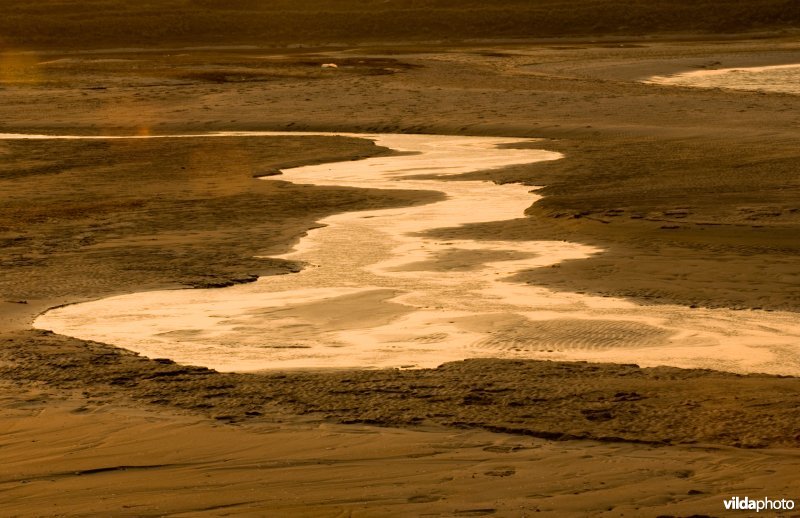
(377, 293)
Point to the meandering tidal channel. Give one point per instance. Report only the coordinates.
(377, 292)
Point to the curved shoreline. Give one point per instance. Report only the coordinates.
(530, 322)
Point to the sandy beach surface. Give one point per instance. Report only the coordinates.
(692, 194)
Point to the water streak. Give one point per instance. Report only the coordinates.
(777, 78)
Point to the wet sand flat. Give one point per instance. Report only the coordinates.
(691, 193)
(185, 465)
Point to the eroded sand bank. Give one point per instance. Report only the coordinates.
(376, 293)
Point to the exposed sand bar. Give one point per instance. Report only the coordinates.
(377, 294)
(775, 78)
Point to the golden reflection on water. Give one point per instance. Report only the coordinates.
(379, 292)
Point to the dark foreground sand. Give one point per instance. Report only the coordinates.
(693, 193)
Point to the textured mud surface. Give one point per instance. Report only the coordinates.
(552, 400)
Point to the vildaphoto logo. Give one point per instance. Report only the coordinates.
(762, 504)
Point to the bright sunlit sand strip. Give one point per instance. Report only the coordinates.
(377, 293)
(777, 78)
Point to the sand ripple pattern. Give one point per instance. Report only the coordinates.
(568, 334)
(377, 293)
